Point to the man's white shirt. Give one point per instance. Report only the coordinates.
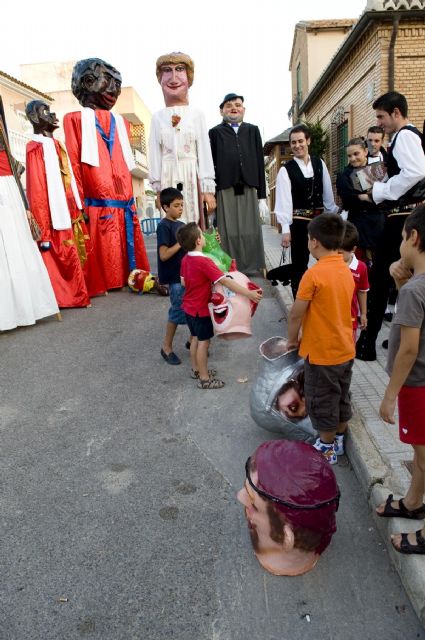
(284, 206)
(411, 159)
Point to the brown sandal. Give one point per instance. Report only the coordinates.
(211, 383)
(195, 374)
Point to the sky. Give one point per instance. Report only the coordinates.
(242, 48)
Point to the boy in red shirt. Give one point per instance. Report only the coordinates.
(198, 273)
(359, 273)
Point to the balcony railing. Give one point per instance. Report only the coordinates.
(139, 158)
(18, 142)
(141, 170)
(139, 143)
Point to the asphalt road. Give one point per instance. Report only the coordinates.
(117, 483)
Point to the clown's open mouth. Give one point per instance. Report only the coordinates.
(221, 313)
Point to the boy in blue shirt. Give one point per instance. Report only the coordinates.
(170, 255)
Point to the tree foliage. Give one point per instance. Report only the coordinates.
(319, 139)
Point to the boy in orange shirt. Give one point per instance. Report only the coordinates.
(323, 309)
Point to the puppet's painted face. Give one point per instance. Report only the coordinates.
(290, 497)
(102, 88)
(257, 516)
(47, 120)
(291, 404)
(231, 312)
(233, 110)
(175, 85)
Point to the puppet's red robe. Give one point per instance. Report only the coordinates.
(110, 181)
(62, 260)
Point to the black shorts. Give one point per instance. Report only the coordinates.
(327, 394)
(200, 327)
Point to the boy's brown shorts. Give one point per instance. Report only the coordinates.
(327, 394)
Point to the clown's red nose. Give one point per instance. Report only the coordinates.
(217, 298)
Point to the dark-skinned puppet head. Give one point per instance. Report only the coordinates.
(96, 84)
(42, 119)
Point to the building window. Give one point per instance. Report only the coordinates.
(341, 143)
(299, 91)
(339, 133)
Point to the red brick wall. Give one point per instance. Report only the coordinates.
(363, 76)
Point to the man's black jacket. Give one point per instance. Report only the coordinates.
(238, 158)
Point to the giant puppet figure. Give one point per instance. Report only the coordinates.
(99, 149)
(238, 157)
(290, 498)
(53, 197)
(179, 149)
(26, 294)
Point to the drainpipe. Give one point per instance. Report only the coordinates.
(391, 53)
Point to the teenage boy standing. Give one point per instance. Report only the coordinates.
(303, 190)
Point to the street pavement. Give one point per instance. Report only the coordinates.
(380, 460)
(118, 479)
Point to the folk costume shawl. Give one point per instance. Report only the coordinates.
(89, 148)
(59, 210)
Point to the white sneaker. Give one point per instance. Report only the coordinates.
(327, 451)
(339, 445)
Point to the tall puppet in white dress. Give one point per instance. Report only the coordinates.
(26, 294)
(179, 148)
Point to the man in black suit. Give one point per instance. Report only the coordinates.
(238, 158)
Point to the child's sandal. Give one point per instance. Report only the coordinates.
(195, 374)
(211, 383)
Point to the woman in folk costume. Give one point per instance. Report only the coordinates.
(101, 158)
(50, 194)
(179, 148)
(26, 294)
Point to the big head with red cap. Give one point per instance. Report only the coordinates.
(290, 498)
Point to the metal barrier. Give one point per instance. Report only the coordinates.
(149, 225)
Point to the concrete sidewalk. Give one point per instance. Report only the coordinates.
(373, 447)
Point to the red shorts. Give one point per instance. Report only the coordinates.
(411, 415)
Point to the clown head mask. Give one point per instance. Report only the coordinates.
(231, 312)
